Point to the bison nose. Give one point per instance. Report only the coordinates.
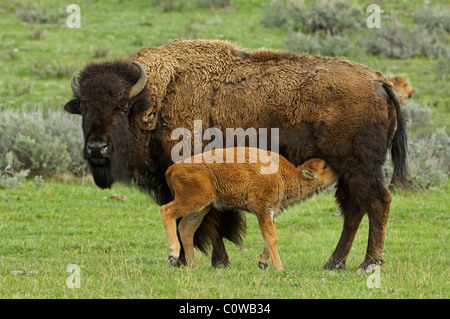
(97, 149)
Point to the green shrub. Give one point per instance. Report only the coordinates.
(320, 44)
(333, 17)
(53, 69)
(442, 67)
(9, 176)
(330, 17)
(44, 144)
(397, 41)
(279, 14)
(37, 14)
(433, 19)
(13, 180)
(180, 5)
(429, 160)
(418, 117)
(429, 149)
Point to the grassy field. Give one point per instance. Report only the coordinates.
(120, 246)
(121, 249)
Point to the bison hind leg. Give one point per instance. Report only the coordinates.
(216, 226)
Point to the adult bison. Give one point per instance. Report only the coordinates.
(329, 108)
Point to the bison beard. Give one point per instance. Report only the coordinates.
(102, 175)
(329, 108)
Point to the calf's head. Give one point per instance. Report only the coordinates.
(319, 172)
(108, 97)
(402, 86)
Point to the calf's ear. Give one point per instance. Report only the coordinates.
(308, 174)
(73, 106)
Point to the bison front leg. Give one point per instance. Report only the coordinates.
(373, 199)
(353, 215)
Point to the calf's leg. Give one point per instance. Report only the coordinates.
(169, 213)
(187, 227)
(265, 255)
(270, 240)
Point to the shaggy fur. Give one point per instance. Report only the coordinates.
(199, 185)
(328, 108)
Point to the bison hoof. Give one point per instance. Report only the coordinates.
(368, 266)
(262, 265)
(330, 265)
(221, 264)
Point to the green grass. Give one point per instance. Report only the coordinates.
(121, 249)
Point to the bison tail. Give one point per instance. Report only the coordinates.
(399, 144)
(216, 224)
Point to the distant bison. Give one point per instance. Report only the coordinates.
(329, 108)
(402, 86)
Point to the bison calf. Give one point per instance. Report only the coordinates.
(203, 183)
(401, 86)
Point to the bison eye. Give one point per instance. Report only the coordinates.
(125, 109)
(325, 166)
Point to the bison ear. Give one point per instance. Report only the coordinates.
(141, 105)
(73, 106)
(308, 174)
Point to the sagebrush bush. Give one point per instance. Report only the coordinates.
(442, 67)
(44, 144)
(433, 19)
(180, 5)
(38, 14)
(13, 180)
(53, 69)
(429, 160)
(428, 149)
(394, 40)
(330, 17)
(333, 17)
(279, 13)
(9, 176)
(321, 44)
(419, 117)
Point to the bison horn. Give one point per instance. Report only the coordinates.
(140, 84)
(75, 87)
